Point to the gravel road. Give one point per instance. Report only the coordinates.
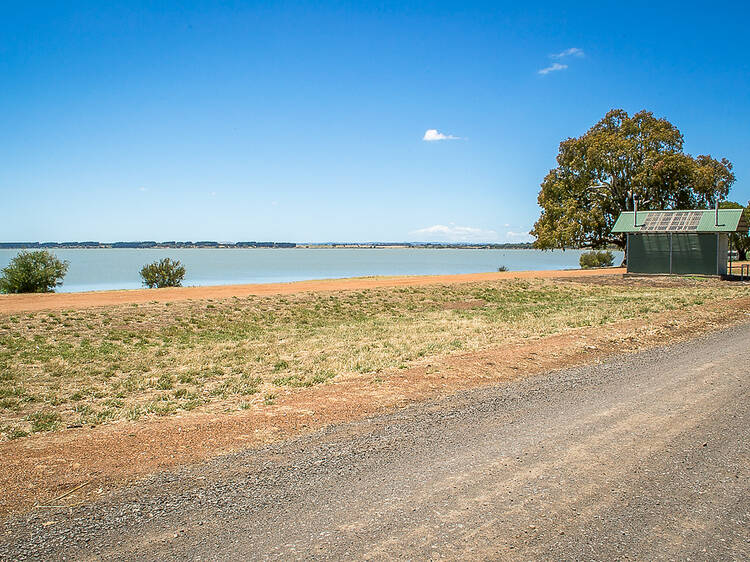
(643, 457)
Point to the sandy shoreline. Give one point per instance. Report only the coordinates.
(73, 301)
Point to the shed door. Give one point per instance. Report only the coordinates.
(648, 253)
(694, 253)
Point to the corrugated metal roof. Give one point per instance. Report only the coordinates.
(691, 220)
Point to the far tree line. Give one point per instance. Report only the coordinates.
(146, 244)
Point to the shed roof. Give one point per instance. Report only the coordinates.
(683, 221)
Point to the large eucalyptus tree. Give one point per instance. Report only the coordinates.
(619, 158)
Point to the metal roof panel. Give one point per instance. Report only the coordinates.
(681, 221)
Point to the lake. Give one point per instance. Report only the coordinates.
(101, 269)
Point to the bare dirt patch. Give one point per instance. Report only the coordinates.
(40, 468)
(656, 281)
(464, 305)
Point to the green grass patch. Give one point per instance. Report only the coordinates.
(12, 432)
(100, 365)
(43, 421)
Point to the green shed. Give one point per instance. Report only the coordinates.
(679, 242)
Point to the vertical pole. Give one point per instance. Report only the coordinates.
(670, 253)
(717, 209)
(627, 252)
(717, 253)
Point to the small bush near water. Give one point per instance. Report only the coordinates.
(592, 259)
(33, 272)
(163, 273)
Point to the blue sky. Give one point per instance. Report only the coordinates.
(304, 121)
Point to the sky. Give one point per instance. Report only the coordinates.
(338, 121)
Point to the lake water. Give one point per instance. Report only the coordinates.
(101, 269)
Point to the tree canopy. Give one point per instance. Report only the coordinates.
(163, 273)
(620, 157)
(740, 241)
(33, 272)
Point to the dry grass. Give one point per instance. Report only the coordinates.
(93, 366)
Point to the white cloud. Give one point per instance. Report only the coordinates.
(455, 233)
(572, 52)
(554, 67)
(518, 236)
(435, 135)
(143, 189)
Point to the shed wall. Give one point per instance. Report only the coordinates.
(684, 253)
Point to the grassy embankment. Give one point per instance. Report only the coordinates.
(93, 366)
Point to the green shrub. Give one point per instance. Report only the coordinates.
(503, 268)
(33, 272)
(163, 273)
(591, 259)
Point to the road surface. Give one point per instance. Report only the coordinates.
(643, 457)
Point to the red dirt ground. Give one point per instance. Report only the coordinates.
(74, 301)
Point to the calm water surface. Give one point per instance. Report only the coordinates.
(101, 269)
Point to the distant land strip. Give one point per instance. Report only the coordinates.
(150, 244)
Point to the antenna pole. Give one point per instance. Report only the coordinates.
(717, 210)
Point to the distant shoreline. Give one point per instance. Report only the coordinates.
(149, 245)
